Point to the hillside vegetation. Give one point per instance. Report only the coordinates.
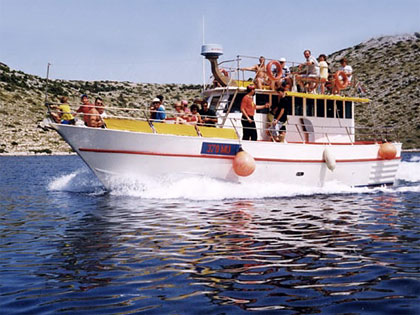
(387, 68)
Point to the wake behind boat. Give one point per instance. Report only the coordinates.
(321, 141)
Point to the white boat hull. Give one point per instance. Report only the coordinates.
(117, 154)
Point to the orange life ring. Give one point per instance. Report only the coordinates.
(341, 79)
(279, 70)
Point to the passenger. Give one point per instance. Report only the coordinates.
(85, 108)
(179, 116)
(286, 81)
(248, 108)
(208, 116)
(194, 118)
(277, 118)
(94, 119)
(323, 71)
(157, 111)
(184, 103)
(160, 97)
(348, 70)
(260, 70)
(99, 105)
(64, 114)
(309, 74)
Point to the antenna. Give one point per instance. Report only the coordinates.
(204, 65)
(46, 86)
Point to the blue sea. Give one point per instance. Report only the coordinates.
(195, 245)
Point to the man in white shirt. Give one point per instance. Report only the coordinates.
(310, 71)
(346, 68)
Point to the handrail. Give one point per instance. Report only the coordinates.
(363, 132)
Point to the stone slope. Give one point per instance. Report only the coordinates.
(387, 67)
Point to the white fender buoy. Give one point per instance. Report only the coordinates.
(329, 159)
(243, 164)
(387, 151)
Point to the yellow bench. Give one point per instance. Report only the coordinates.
(212, 132)
(172, 129)
(175, 129)
(128, 124)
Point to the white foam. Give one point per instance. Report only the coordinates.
(206, 188)
(409, 171)
(78, 181)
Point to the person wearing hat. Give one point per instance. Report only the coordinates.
(184, 103)
(157, 110)
(286, 81)
(248, 108)
(286, 70)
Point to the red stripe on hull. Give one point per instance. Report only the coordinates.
(223, 157)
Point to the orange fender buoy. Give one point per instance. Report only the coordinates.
(387, 151)
(243, 164)
(270, 72)
(341, 80)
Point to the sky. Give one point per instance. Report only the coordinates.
(159, 41)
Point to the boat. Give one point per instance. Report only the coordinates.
(322, 142)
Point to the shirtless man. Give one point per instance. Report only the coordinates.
(261, 77)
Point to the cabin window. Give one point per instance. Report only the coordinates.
(340, 109)
(236, 107)
(298, 106)
(262, 99)
(214, 101)
(287, 102)
(330, 108)
(320, 108)
(349, 110)
(310, 107)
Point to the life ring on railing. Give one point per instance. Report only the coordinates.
(270, 72)
(224, 72)
(341, 80)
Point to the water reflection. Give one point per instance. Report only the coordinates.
(320, 254)
(298, 255)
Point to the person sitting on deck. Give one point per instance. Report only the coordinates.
(85, 108)
(248, 108)
(93, 119)
(286, 81)
(261, 77)
(308, 72)
(184, 103)
(208, 116)
(179, 115)
(157, 111)
(99, 105)
(64, 114)
(194, 118)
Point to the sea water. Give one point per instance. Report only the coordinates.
(189, 245)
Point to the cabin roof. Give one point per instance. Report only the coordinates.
(289, 93)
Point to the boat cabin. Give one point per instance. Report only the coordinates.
(310, 117)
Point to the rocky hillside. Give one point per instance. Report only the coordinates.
(387, 69)
(22, 98)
